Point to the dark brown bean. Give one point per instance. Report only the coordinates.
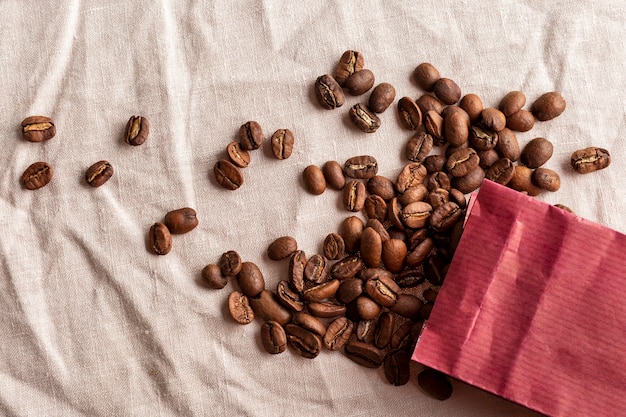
(469, 182)
(181, 220)
(412, 174)
(349, 63)
(461, 162)
(239, 308)
(304, 342)
(250, 135)
(433, 124)
(359, 82)
(230, 263)
(482, 137)
(410, 113)
(375, 207)
(371, 247)
(347, 267)
(418, 147)
(435, 383)
(407, 306)
(546, 179)
(521, 121)
(522, 181)
(282, 142)
(548, 106)
(328, 92)
(364, 354)
(137, 130)
(384, 330)
(213, 277)
(321, 291)
(488, 158)
(38, 128)
(410, 278)
(473, 106)
(282, 248)
(397, 367)
(326, 309)
(99, 173)
(334, 246)
(354, 195)
(37, 175)
(426, 75)
(338, 333)
(447, 91)
(316, 269)
(412, 194)
(381, 98)
(228, 175)
(445, 216)
(364, 119)
(427, 102)
(508, 146)
(393, 254)
(349, 290)
(350, 230)
(237, 155)
(333, 174)
(501, 172)
(493, 118)
(297, 264)
(536, 152)
(361, 167)
(590, 159)
(288, 297)
(382, 288)
(406, 335)
(434, 163)
(267, 307)
(381, 186)
(314, 180)
(456, 128)
(310, 323)
(364, 331)
(273, 337)
(250, 279)
(160, 239)
(512, 102)
(415, 215)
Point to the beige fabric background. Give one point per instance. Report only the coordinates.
(92, 324)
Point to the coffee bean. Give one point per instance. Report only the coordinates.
(347, 267)
(482, 137)
(371, 247)
(415, 215)
(282, 248)
(273, 337)
(375, 207)
(434, 163)
(410, 113)
(295, 276)
(282, 142)
(160, 239)
(314, 180)
(213, 277)
(349, 63)
(38, 128)
(412, 175)
(137, 130)
(364, 354)
(473, 106)
(381, 98)
(364, 331)
(328, 92)
(522, 181)
(548, 106)
(493, 118)
(338, 333)
(37, 175)
(456, 127)
(250, 135)
(333, 174)
(316, 269)
(470, 181)
(361, 167)
(447, 91)
(230, 263)
(350, 230)
(412, 194)
(365, 308)
(384, 330)
(397, 367)
(321, 291)
(427, 102)
(334, 247)
(181, 220)
(310, 323)
(410, 278)
(326, 309)
(267, 307)
(433, 124)
(349, 290)
(508, 146)
(512, 102)
(405, 337)
(382, 288)
(364, 119)
(445, 216)
(393, 254)
(546, 179)
(461, 162)
(303, 342)
(487, 158)
(99, 173)
(237, 155)
(239, 308)
(437, 180)
(590, 159)
(359, 82)
(430, 294)
(435, 383)
(354, 195)
(421, 251)
(521, 121)
(501, 172)
(250, 279)
(536, 152)
(381, 186)
(227, 174)
(380, 228)
(418, 147)
(288, 297)
(426, 75)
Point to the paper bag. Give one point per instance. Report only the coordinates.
(533, 308)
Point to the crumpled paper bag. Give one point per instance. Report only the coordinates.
(533, 308)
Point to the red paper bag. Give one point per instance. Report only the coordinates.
(533, 308)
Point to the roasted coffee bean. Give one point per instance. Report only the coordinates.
(273, 337)
(406, 336)
(546, 179)
(435, 383)
(418, 147)
(470, 181)
(267, 307)
(458, 197)
(364, 354)
(238, 156)
(421, 251)
(282, 142)
(250, 135)
(316, 269)
(433, 124)
(508, 146)
(461, 162)
(38, 128)
(375, 207)
(501, 172)
(434, 163)
(521, 121)
(334, 246)
(435, 269)
(452, 149)
(364, 119)
(181, 220)
(250, 279)
(333, 174)
(493, 119)
(99, 173)
(213, 277)
(394, 214)
(338, 333)
(314, 180)
(137, 130)
(349, 63)
(410, 278)
(380, 228)
(473, 106)
(412, 194)
(397, 367)
(239, 308)
(381, 186)
(445, 216)
(456, 127)
(321, 291)
(447, 91)
(590, 159)
(350, 230)
(354, 195)
(364, 331)
(415, 215)
(371, 247)
(487, 158)
(347, 267)
(382, 289)
(297, 264)
(393, 254)
(304, 342)
(381, 98)
(349, 290)
(384, 330)
(230, 263)
(536, 152)
(482, 137)
(426, 75)
(408, 306)
(288, 297)
(427, 102)
(410, 113)
(37, 175)
(228, 175)
(282, 248)
(359, 82)
(512, 102)
(329, 93)
(430, 294)
(548, 106)
(366, 308)
(310, 323)
(361, 167)
(326, 309)
(160, 239)
(412, 174)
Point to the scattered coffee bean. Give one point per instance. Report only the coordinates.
(295, 275)
(501, 172)
(482, 137)
(354, 195)
(349, 63)
(397, 367)
(548, 106)
(590, 159)
(181, 221)
(433, 124)
(508, 146)
(282, 248)
(266, 306)
(447, 91)
(250, 136)
(536, 152)
(473, 106)
(364, 119)
(418, 147)
(237, 155)
(381, 186)
(230, 263)
(282, 143)
(273, 337)
(239, 308)
(359, 82)
(333, 174)
(314, 180)
(364, 354)
(37, 175)
(137, 130)
(250, 279)
(546, 179)
(99, 173)
(160, 239)
(213, 277)
(426, 75)
(381, 98)
(435, 383)
(410, 113)
(512, 102)
(338, 333)
(493, 118)
(522, 181)
(227, 174)
(334, 247)
(328, 92)
(361, 167)
(520, 121)
(38, 128)
(316, 269)
(289, 298)
(310, 323)
(303, 342)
